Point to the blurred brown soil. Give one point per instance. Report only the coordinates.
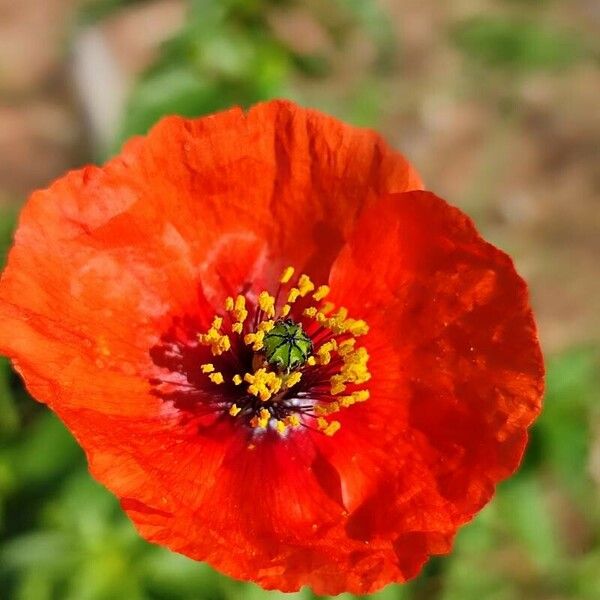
(38, 130)
(43, 128)
(521, 157)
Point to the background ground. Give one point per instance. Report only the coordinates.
(496, 102)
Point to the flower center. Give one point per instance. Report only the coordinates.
(286, 346)
(286, 365)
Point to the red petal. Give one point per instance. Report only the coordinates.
(457, 369)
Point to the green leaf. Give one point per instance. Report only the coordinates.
(45, 452)
(586, 581)
(48, 550)
(8, 218)
(34, 585)
(175, 577)
(176, 91)
(471, 572)
(523, 509)
(96, 10)
(516, 44)
(9, 416)
(563, 430)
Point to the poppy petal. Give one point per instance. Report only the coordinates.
(457, 368)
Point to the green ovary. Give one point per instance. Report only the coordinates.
(287, 346)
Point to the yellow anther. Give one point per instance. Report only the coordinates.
(360, 355)
(224, 344)
(229, 303)
(217, 322)
(263, 393)
(237, 328)
(266, 325)
(339, 323)
(265, 416)
(324, 352)
(239, 309)
(324, 358)
(346, 347)
(237, 379)
(342, 313)
(311, 311)
(322, 410)
(346, 401)
(293, 295)
(212, 335)
(305, 285)
(240, 302)
(216, 377)
(292, 420)
(337, 384)
(327, 307)
(274, 384)
(355, 367)
(234, 410)
(357, 327)
(260, 392)
(207, 368)
(327, 347)
(311, 361)
(267, 303)
(286, 275)
(361, 395)
(322, 291)
(255, 339)
(263, 383)
(332, 428)
(218, 343)
(285, 310)
(280, 426)
(262, 419)
(326, 427)
(321, 318)
(293, 379)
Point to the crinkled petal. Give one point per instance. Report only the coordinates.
(456, 364)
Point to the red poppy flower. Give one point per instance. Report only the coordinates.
(330, 424)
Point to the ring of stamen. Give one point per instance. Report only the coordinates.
(305, 365)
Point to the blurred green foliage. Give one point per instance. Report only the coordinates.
(64, 537)
(200, 72)
(95, 10)
(228, 54)
(517, 44)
